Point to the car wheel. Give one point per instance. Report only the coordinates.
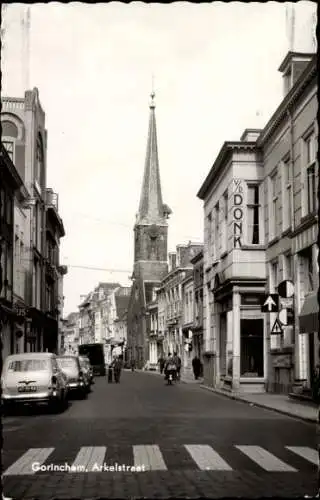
(7, 409)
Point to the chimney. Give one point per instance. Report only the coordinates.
(172, 261)
(292, 67)
(250, 135)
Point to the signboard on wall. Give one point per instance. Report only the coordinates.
(282, 361)
(237, 212)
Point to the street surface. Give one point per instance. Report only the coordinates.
(188, 442)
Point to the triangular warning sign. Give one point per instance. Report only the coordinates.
(276, 327)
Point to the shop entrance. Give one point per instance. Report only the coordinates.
(251, 355)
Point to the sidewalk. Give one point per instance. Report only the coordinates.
(280, 403)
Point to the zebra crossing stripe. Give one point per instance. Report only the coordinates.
(303, 451)
(206, 458)
(149, 457)
(29, 463)
(265, 459)
(89, 459)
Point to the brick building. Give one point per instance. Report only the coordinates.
(150, 248)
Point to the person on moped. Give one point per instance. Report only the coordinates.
(170, 367)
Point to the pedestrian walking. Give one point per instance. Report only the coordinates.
(133, 365)
(161, 362)
(196, 365)
(177, 361)
(117, 366)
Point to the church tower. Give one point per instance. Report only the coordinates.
(150, 247)
(151, 227)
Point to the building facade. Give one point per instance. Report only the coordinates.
(54, 273)
(197, 327)
(187, 292)
(11, 194)
(180, 268)
(289, 143)
(260, 211)
(25, 138)
(235, 341)
(71, 334)
(150, 249)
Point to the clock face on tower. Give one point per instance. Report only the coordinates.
(153, 232)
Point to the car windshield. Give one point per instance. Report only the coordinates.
(66, 362)
(28, 365)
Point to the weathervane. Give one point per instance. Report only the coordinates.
(152, 95)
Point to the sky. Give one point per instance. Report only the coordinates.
(215, 70)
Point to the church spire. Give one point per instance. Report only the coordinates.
(151, 208)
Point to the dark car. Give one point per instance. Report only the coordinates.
(70, 365)
(95, 353)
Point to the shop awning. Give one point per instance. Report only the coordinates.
(309, 316)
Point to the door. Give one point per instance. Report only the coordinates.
(251, 348)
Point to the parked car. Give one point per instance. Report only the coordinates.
(70, 365)
(33, 378)
(86, 368)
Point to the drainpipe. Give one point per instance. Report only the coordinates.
(296, 335)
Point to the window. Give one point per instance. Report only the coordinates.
(2, 202)
(39, 162)
(287, 267)
(216, 230)
(209, 230)
(253, 208)
(286, 193)
(9, 209)
(273, 207)
(307, 269)
(310, 163)
(9, 145)
(224, 239)
(273, 274)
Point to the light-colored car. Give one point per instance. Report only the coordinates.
(86, 370)
(70, 365)
(34, 378)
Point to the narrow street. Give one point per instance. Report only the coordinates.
(188, 442)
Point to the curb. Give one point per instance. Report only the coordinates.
(260, 405)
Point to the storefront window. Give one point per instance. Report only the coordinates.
(251, 355)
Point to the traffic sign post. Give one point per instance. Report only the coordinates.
(277, 328)
(286, 289)
(270, 303)
(286, 316)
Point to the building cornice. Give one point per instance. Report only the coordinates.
(223, 156)
(197, 258)
(289, 101)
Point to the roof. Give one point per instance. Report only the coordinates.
(223, 156)
(30, 355)
(151, 207)
(291, 55)
(291, 97)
